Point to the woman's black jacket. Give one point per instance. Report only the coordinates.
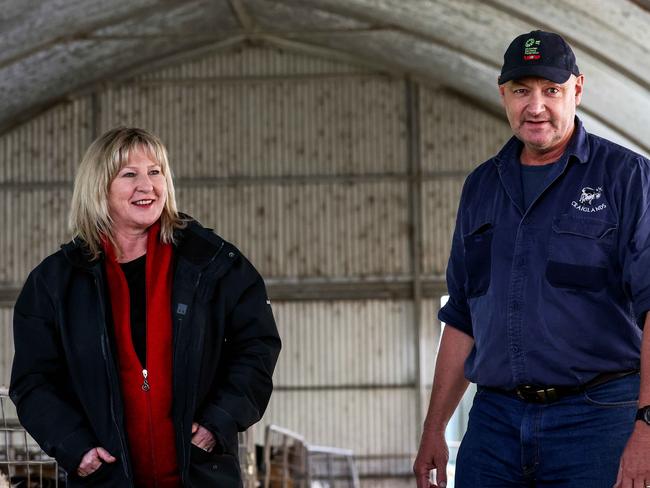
(64, 380)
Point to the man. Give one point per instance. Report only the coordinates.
(549, 284)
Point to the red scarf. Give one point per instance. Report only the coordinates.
(147, 401)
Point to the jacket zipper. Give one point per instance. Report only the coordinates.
(196, 285)
(194, 392)
(105, 347)
(146, 387)
(145, 382)
(179, 322)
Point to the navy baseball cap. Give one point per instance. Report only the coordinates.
(541, 54)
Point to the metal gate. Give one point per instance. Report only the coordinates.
(290, 462)
(22, 462)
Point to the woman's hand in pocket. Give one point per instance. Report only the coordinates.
(93, 460)
(202, 438)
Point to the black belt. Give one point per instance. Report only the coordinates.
(550, 394)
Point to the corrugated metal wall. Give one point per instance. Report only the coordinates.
(322, 174)
(310, 229)
(455, 138)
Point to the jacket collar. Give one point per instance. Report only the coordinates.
(195, 243)
(76, 252)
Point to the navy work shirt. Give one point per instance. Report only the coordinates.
(557, 293)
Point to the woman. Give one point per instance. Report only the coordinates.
(145, 344)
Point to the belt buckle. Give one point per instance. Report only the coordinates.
(534, 393)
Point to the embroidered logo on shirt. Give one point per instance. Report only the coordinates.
(589, 195)
(587, 198)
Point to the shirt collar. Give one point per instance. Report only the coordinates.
(578, 147)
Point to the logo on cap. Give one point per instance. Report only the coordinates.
(531, 50)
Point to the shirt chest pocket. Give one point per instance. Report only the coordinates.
(478, 259)
(580, 253)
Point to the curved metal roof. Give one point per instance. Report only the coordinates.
(53, 49)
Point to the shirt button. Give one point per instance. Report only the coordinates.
(514, 349)
(231, 254)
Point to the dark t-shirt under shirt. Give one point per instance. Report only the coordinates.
(134, 271)
(532, 180)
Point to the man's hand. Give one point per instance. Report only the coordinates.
(432, 454)
(449, 384)
(93, 460)
(634, 468)
(202, 437)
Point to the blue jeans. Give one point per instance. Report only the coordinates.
(575, 442)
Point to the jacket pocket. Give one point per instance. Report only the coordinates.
(214, 469)
(580, 253)
(478, 259)
(104, 476)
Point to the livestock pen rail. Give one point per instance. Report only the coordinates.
(22, 462)
(291, 462)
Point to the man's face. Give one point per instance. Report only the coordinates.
(541, 112)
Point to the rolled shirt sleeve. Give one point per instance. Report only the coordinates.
(456, 311)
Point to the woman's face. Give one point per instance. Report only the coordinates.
(137, 194)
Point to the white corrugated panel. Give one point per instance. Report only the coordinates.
(48, 148)
(346, 343)
(315, 230)
(378, 424)
(35, 225)
(346, 376)
(280, 128)
(250, 62)
(455, 134)
(440, 199)
(6, 345)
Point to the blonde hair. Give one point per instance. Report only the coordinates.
(89, 218)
